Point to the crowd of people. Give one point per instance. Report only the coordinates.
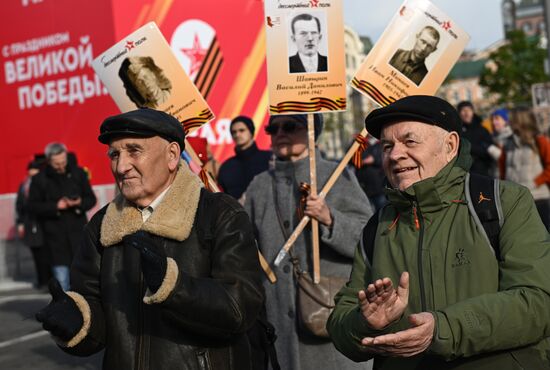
(167, 276)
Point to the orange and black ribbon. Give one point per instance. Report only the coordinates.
(304, 193)
(204, 177)
(357, 156)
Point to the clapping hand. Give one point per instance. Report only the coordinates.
(381, 304)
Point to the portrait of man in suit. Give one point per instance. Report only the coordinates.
(412, 62)
(307, 35)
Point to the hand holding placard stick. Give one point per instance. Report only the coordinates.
(326, 189)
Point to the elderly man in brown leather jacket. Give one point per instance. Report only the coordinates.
(145, 286)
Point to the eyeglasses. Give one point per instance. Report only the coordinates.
(287, 127)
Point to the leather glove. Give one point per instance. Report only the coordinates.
(153, 258)
(61, 316)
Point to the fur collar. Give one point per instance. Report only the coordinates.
(173, 218)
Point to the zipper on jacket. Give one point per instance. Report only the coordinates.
(420, 226)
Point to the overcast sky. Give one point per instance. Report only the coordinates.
(481, 19)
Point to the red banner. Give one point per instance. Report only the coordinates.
(50, 92)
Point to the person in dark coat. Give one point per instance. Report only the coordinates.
(484, 151)
(146, 287)
(59, 197)
(237, 172)
(30, 230)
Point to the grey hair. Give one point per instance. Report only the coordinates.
(54, 149)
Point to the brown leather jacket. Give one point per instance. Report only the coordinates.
(210, 296)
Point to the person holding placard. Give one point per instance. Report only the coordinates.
(433, 288)
(306, 34)
(275, 204)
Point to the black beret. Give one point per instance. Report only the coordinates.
(302, 120)
(421, 108)
(143, 122)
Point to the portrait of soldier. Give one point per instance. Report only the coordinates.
(307, 35)
(145, 83)
(412, 62)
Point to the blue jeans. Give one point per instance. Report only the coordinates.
(61, 273)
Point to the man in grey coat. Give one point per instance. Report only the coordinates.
(341, 218)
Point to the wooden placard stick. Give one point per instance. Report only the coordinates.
(214, 186)
(330, 183)
(313, 191)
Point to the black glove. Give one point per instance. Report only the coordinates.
(153, 258)
(61, 316)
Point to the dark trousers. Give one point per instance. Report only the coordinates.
(42, 264)
(543, 206)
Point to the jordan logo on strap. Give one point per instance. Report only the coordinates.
(482, 198)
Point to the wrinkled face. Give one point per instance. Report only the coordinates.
(143, 167)
(241, 135)
(289, 141)
(414, 151)
(146, 84)
(59, 162)
(466, 114)
(425, 45)
(498, 123)
(306, 36)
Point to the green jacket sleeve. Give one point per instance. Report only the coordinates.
(517, 315)
(346, 325)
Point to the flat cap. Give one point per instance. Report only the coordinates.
(143, 122)
(421, 108)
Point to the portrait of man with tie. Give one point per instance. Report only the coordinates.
(307, 36)
(411, 62)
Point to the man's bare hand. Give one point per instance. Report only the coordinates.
(381, 304)
(405, 343)
(62, 204)
(317, 208)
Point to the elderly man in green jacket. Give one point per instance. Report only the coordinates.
(456, 305)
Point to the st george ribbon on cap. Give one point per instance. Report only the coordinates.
(143, 122)
(420, 108)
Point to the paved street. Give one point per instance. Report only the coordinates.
(23, 343)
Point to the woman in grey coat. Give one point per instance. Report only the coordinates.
(341, 220)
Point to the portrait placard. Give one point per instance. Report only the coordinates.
(305, 56)
(541, 95)
(142, 71)
(413, 56)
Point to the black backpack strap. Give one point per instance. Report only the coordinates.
(483, 196)
(368, 237)
(204, 234)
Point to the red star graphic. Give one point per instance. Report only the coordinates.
(314, 3)
(446, 25)
(196, 55)
(129, 45)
